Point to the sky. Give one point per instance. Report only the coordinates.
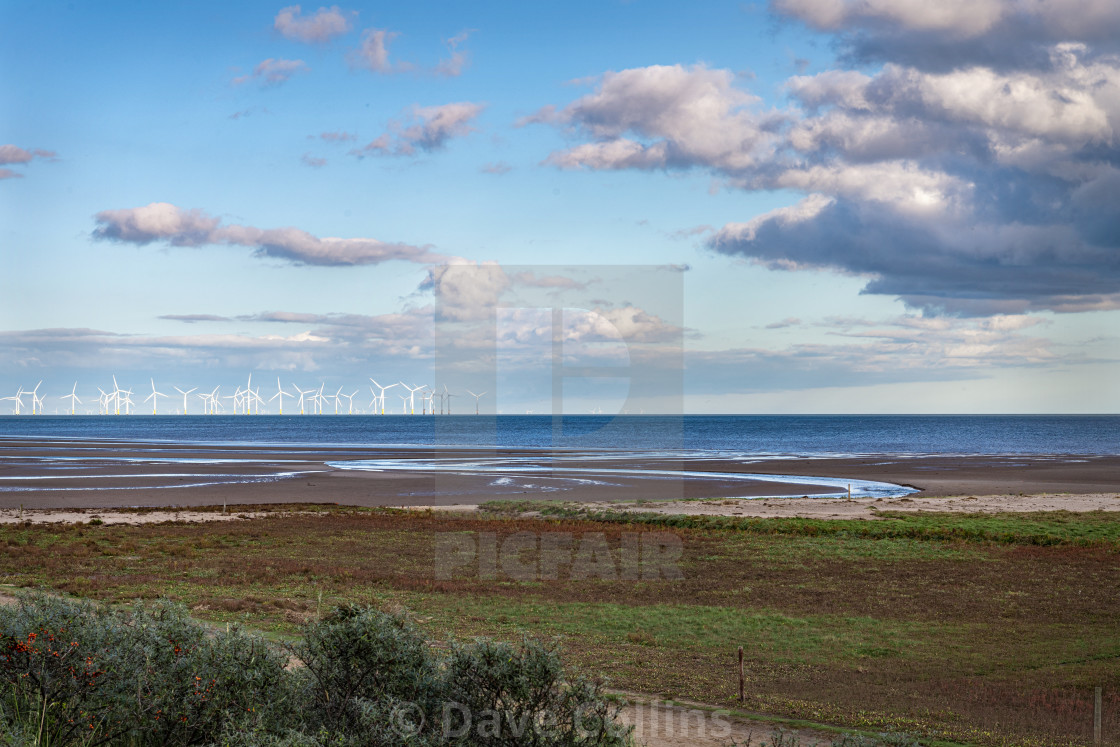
(827, 206)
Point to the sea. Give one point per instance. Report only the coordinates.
(773, 436)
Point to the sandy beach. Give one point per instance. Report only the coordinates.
(69, 474)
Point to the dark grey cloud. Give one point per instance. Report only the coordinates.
(957, 267)
(969, 189)
(951, 34)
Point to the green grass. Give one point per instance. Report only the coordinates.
(990, 630)
(1097, 528)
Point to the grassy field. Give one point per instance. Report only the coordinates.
(989, 630)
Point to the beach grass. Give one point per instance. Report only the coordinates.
(988, 630)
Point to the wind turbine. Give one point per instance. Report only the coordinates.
(255, 395)
(476, 398)
(411, 397)
(301, 395)
(447, 393)
(36, 403)
(154, 396)
(350, 397)
(18, 399)
(210, 402)
(280, 393)
(235, 398)
(73, 397)
(180, 391)
(404, 403)
(121, 397)
(116, 396)
(337, 397)
(383, 390)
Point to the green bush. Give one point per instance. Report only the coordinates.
(498, 695)
(74, 673)
(361, 667)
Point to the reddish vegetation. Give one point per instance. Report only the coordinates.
(994, 643)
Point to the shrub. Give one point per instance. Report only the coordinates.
(360, 667)
(498, 695)
(76, 673)
(73, 673)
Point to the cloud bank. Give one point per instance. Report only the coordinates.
(961, 183)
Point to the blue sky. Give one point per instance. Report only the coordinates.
(872, 206)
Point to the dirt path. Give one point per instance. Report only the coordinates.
(659, 724)
(868, 508)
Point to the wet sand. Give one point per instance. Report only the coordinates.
(66, 474)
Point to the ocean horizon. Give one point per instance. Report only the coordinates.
(759, 435)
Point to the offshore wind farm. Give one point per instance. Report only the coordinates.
(422, 399)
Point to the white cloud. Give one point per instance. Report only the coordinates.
(1069, 105)
(624, 323)
(498, 168)
(954, 189)
(320, 26)
(161, 221)
(963, 17)
(1053, 20)
(430, 129)
(466, 291)
(337, 137)
(272, 72)
(952, 34)
(373, 54)
(15, 155)
(663, 117)
(457, 59)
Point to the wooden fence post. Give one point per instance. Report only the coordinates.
(740, 674)
(1097, 716)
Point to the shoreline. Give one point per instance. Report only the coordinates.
(866, 509)
(44, 473)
